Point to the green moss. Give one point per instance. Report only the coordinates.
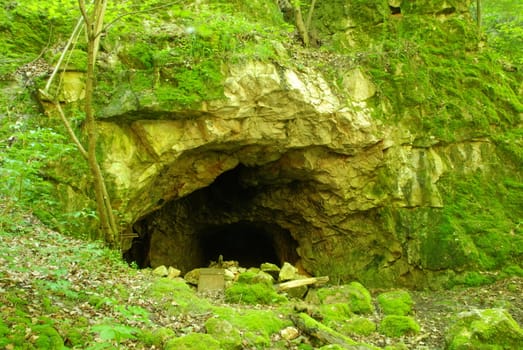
(138, 56)
(257, 326)
(486, 208)
(485, 329)
(160, 336)
(196, 341)
(334, 313)
(397, 326)
(27, 29)
(513, 270)
(256, 293)
(354, 294)
(177, 296)
(75, 60)
(223, 331)
(398, 302)
(473, 279)
(48, 337)
(357, 325)
(185, 64)
(76, 335)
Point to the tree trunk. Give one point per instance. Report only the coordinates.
(94, 24)
(478, 12)
(309, 16)
(300, 25)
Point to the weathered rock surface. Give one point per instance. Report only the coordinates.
(307, 163)
(286, 167)
(489, 328)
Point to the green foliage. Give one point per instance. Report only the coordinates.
(397, 326)
(28, 28)
(398, 302)
(186, 60)
(112, 331)
(47, 337)
(503, 22)
(32, 148)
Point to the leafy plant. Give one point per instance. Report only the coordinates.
(111, 331)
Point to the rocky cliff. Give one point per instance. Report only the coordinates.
(389, 154)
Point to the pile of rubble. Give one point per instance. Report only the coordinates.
(222, 274)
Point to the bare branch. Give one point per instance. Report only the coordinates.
(309, 16)
(66, 122)
(62, 56)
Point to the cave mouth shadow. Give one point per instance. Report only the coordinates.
(249, 243)
(192, 231)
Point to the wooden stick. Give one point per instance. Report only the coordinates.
(303, 282)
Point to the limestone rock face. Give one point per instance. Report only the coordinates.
(284, 157)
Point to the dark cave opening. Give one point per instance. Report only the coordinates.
(251, 244)
(216, 220)
(395, 10)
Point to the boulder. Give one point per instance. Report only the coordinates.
(484, 329)
(287, 272)
(173, 272)
(223, 331)
(271, 269)
(161, 271)
(193, 276)
(354, 295)
(397, 326)
(397, 302)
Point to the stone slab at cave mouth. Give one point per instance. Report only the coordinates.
(219, 219)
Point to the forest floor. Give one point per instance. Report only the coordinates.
(56, 290)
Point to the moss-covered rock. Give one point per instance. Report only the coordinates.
(193, 341)
(484, 329)
(354, 295)
(161, 336)
(334, 313)
(223, 331)
(177, 296)
(398, 302)
(47, 337)
(253, 293)
(256, 326)
(397, 326)
(358, 325)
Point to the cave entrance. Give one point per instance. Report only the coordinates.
(220, 219)
(251, 244)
